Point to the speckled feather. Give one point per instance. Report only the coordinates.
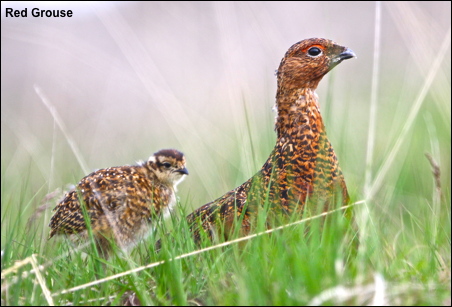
(122, 201)
(302, 165)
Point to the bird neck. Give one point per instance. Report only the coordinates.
(303, 158)
(298, 113)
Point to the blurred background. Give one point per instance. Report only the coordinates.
(118, 81)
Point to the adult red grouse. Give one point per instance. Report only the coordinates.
(302, 168)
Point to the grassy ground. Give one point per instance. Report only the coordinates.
(403, 259)
(402, 204)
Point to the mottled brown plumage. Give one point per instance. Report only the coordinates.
(302, 168)
(122, 202)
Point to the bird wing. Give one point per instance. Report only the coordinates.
(101, 191)
(226, 209)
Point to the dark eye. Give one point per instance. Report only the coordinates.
(166, 164)
(314, 51)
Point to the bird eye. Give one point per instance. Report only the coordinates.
(166, 164)
(314, 51)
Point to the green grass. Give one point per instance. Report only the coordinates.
(286, 267)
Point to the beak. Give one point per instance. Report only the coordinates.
(347, 54)
(183, 171)
(344, 55)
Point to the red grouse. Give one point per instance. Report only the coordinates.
(122, 203)
(302, 169)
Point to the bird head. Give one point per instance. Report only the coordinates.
(306, 62)
(169, 166)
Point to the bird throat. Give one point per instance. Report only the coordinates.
(303, 157)
(298, 114)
